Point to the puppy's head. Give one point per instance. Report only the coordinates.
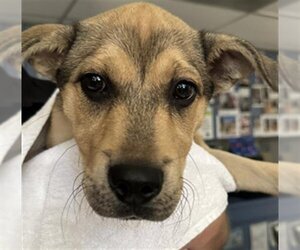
(135, 82)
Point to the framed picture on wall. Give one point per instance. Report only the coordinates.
(269, 124)
(228, 124)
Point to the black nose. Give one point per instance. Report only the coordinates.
(135, 185)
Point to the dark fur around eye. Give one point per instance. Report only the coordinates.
(96, 87)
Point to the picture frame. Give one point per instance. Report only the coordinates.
(227, 124)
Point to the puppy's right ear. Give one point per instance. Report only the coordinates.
(45, 47)
(230, 59)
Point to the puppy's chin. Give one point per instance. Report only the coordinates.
(107, 205)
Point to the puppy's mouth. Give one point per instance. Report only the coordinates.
(133, 214)
(119, 210)
(105, 203)
(132, 217)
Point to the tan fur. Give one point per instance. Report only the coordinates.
(248, 173)
(143, 50)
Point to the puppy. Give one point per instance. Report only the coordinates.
(134, 86)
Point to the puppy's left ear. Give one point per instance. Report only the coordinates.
(45, 47)
(230, 59)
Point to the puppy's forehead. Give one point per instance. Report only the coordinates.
(141, 30)
(144, 17)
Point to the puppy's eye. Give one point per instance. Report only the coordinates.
(184, 93)
(96, 87)
(93, 83)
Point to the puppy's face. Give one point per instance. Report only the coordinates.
(132, 99)
(135, 83)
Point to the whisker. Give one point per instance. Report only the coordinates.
(74, 182)
(70, 199)
(195, 164)
(180, 210)
(193, 202)
(68, 203)
(192, 187)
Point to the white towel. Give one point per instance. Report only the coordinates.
(10, 208)
(50, 221)
(10, 186)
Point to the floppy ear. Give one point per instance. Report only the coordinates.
(230, 59)
(45, 47)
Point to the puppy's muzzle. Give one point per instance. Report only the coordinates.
(135, 185)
